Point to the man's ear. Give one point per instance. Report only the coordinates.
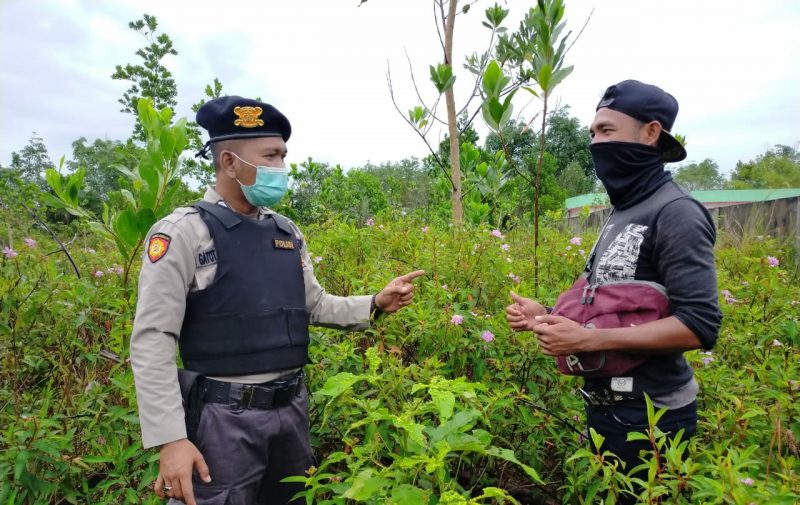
(227, 164)
(650, 132)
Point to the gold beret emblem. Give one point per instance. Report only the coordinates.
(248, 116)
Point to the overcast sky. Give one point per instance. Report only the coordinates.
(733, 66)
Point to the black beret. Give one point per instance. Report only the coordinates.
(646, 103)
(234, 117)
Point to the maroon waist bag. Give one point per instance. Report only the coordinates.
(611, 305)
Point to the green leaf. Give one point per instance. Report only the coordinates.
(531, 91)
(365, 485)
(53, 180)
(126, 226)
(406, 494)
(146, 218)
(338, 384)
(492, 79)
(52, 201)
(148, 172)
(637, 435)
(444, 401)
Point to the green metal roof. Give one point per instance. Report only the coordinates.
(707, 196)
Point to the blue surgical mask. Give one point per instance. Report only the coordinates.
(270, 186)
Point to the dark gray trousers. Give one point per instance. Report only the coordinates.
(248, 452)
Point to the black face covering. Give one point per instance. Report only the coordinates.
(629, 171)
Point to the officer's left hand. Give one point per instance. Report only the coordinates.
(398, 293)
(559, 336)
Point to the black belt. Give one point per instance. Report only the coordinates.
(267, 395)
(603, 396)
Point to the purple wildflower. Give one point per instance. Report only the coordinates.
(496, 233)
(487, 336)
(747, 481)
(317, 259)
(505, 247)
(99, 273)
(575, 241)
(708, 358)
(729, 299)
(30, 242)
(773, 261)
(9, 252)
(370, 222)
(425, 229)
(457, 319)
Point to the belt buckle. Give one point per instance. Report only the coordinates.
(246, 399)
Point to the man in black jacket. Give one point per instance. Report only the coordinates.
(658, 235)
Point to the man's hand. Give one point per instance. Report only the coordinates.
(178, 459)
(520, 314)
(559, 336)
(398, 293)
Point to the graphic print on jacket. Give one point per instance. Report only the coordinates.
(618, 262)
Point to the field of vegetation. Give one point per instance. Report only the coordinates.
(439, 403)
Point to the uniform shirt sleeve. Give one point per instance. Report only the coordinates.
(350, 313)
(684, 257)
(163, 286)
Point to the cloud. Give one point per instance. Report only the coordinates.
(323, 64)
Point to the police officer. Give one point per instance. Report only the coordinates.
(232, 283)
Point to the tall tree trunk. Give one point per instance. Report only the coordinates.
(452, 121)
(536, 192)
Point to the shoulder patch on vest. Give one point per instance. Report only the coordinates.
(283, 244)
(157, 246)
(207, 258)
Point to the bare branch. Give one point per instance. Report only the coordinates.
(436, 23)
(419, 97)
(475, 89)
(580, 32)
(438, 160)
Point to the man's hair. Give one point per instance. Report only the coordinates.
(218, 147)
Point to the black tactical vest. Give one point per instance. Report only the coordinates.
(252, 318)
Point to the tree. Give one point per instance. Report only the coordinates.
(779, 167)
(568, 142)
(574, 181)
(153, 191)
(197, 167)
(150, 79)
(422, 117)
(32, 161)
(406, 183)
(696, 176)
(99, 160)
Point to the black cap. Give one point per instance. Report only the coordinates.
(234, 117)
(646, 103)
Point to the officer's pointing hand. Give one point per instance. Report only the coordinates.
(398, 293)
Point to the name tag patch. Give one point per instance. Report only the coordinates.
(622, 384)
(206, 258)
(284, 244)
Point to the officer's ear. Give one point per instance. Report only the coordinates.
(226, 164)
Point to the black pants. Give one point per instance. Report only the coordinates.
(614, 422)
(249, 451)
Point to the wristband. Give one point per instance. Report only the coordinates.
(374, 310)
